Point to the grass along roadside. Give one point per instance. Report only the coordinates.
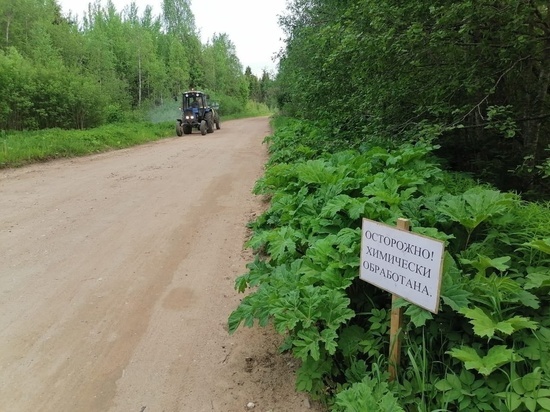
(22, 148)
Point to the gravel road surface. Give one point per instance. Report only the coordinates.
(116, 281)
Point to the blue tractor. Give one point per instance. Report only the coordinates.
(197, 114)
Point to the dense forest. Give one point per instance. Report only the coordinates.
(471, 76)
(65, 72)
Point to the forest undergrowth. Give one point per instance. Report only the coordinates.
(487, 349)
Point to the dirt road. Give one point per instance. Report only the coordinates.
(116, 281)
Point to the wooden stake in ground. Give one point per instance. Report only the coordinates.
(396, 320)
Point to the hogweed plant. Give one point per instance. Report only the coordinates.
(488, 346)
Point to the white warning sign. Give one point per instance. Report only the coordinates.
(403, 263)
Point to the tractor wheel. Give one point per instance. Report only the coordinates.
(203, 127)
(187, 129)
(179, 129)
(209, 122)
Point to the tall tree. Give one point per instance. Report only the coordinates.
(178, 18)
(255, 93)
(223, 68)
(475, 75)
(179, 22)
(60, 72)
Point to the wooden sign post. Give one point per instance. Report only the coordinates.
(396, 321)
(407, 265)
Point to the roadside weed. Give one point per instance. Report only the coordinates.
(494, 314)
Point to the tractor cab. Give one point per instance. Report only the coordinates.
(194, 101)
(196, 114)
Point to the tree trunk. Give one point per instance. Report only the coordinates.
(139, 80)
(534, 141)
(8, 32)
(534, 145)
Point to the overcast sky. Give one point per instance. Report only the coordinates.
(252, 25)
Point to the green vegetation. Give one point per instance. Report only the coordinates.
(435, 111)
(488, 348)
(472, 75)
(110, 66)
(20, 148)
(71, 86)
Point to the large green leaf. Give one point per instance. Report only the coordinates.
(485, 326)
(544, 403)
(282, 243)
(285, 311)
(317, 171)
(329, 338)
(482, 263)
(418, 315)
(456, 296)
(335, 205)
(306, 344)
(537, 278)
(309, 377)
(476, 206)
(349, 341)
(496, 357)
(335, 308)
(541, 244)
(311, 303)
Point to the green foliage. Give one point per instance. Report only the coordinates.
(223, 71)
(485, 365)
(470, 75)
(467, 392)
(20, 148)
(111, 67)
(367, 395)
(475, 206)
(261, 89)
(494, 310)
(485, 325)
(542, 244)
(529, 390)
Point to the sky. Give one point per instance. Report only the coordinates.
(252, 25)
